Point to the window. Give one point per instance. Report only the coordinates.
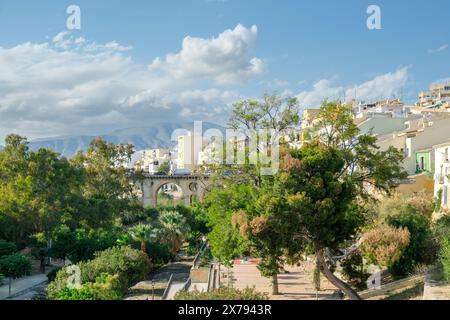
(422, 163)
(445, 196)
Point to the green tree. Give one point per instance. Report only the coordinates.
(143, 233)
(108, 186)
(7, 248)
(15, 266)
(175, 229)
(164, 168)
(40, 249)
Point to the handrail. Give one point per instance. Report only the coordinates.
(211, 278)
(197, 256)
(169, 284)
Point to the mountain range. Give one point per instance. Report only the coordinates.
(155, 136)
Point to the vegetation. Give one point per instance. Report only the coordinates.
(222, 294)
(109, 275)
(14, 266)
(384, 245)
(315, 203)
(444, 257)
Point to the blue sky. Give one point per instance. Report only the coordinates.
(310, 49)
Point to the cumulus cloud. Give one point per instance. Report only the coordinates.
(70, 85)
(382, 86)
(225, 59)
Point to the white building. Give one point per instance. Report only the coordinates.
(189, 148)
(152, 159)
(442, 173)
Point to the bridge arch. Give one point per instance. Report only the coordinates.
(191, 187)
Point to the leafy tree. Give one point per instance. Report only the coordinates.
(7, 248)
(15, 266)
(64, 241)
(108, 187)
(40, 249)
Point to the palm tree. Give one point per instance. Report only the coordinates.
(142, 233)
(175, 228)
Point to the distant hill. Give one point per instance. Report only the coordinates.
(154, 136)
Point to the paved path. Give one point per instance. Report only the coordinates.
(21, 285)
(154, 288)
(295, 285)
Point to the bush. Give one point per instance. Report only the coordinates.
(223, 294)
(1, 279)
(132, 265)
(384, 245)
(422, 249)
(52, 274)
(353, 270)
(84, 293)
(7, 248)
(444, 257)
(107, 287)
(107, 277)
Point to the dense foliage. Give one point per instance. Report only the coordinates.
(107, 276)
(222, 294)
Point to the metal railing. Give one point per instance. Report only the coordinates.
(169, 284)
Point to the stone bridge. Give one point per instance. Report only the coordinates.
(191, 187)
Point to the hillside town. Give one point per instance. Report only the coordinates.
(421, 131)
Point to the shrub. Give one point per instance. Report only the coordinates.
(84, 293)
(353, 270)
(444, 257)
(107, 287)
(1, 279)
(7, 248)
(384, 245)
(222, 294)
(131, 265)
(421, 249)
(107, 277)
(52, 274)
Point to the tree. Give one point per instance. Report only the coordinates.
(7, 248)
(40, 249)
(315, 201)
(64, 241)
(384, 245)
(326, 182)
(175, 228)
(142, 233)
(15, 266)
(164, 168)
(108, 188)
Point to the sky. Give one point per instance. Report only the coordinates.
(136, 62)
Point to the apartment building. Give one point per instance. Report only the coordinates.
(442, 173)
(438, 97)
(188, 149)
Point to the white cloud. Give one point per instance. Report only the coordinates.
(440, 49)
(382, 86)
(72, 85)
(225, 59)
